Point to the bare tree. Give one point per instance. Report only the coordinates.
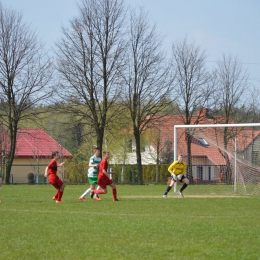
(146, 79)
(162, 145)
(89, 62)
(231, 86)
(252, 106)
(24, 74)
(192, 85)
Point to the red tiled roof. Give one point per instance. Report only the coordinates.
(37, 143)
(197, 150)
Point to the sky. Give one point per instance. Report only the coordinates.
(230, 27)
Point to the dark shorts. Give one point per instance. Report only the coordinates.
(175, 178)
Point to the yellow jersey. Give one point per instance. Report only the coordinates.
(177, 168)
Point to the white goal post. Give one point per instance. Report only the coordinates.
(237, 164)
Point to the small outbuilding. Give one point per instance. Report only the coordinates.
(33, 153)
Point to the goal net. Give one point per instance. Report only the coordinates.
(221, 158)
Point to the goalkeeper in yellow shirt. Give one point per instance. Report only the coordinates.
(177, 170)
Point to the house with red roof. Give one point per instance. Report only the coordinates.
(207, 147)
(33, 153)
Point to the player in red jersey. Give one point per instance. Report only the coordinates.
(104, 178)
(54, 178)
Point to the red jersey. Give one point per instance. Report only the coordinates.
(103, 165)
(52, 167)
(103, 179)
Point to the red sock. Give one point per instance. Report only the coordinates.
(56, 195)
(98, 191)
(114, 194)
(60, 195)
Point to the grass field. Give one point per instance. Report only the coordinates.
(142, 225)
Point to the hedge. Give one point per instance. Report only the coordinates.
(126, 174)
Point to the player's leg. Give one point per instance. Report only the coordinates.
(173, 180)
(61, 186)
(96, 197)
(186, 182)
(53, 181)
(92, 181)
(102, 183)
(87, 192)
(113, 186)
(95, 181)
(56, 195)
(103, 191)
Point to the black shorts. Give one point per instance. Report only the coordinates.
(175, 177)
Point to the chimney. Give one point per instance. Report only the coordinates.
(203, 112)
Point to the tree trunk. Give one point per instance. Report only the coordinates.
(139, 157)
(189, 159)
(228, 173)
(157, 161)
(13, 137)
(157, 173)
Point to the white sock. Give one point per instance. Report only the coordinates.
(86, 193)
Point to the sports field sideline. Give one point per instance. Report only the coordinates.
(142, 225)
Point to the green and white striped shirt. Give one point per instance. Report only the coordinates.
(93, 170)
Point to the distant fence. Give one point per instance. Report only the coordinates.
(77, 173)
(74, 173)
(26, 173)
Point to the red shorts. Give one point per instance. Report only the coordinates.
(103, 181)
(55, 181)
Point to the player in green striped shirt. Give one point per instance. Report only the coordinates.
(94, 162)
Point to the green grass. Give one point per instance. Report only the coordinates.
(142, 225)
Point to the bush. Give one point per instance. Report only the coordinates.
(77, 172)
(30, 178)
(149, 173)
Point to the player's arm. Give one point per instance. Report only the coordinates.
(61, 164)
(106, 173)
(171, 168)
(46, 172)
(55, 164)
(112, 172)
(93, 164)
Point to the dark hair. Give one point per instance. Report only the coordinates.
(54, 154)
(95, 149)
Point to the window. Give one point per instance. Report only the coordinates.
(203, 142)
(131, 146)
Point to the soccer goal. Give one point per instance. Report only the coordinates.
(221, 158)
